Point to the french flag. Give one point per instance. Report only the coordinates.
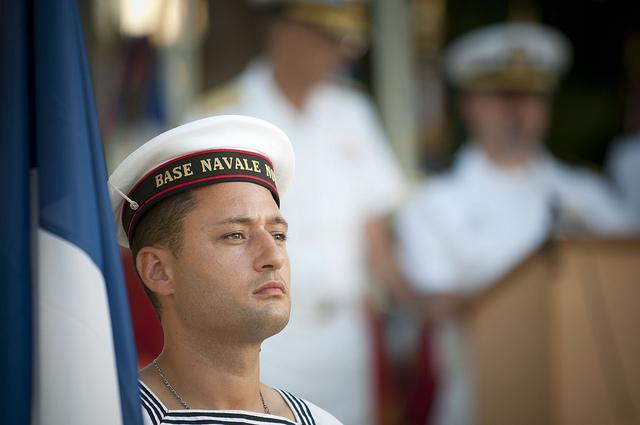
(68, 355)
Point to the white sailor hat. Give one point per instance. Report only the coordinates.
(508, 57)
(217, 149)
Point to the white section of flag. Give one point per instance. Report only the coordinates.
(75, 376)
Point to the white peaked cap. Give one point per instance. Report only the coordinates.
(524, 55)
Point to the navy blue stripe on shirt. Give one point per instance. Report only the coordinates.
(305, 416)
(149, 398)
(189, 416)
(293, 400)
(306, 408)
(159, 415)
(145, 392)
(150, 411)
(205, 420)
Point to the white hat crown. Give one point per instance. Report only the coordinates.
(492, 48)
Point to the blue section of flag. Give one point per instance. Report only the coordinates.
(15, 243)
(52, 118)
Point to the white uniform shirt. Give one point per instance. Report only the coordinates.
(345, 173)
(624, 166)
(464, 230)
(154, 412)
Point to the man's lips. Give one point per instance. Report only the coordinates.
(272, 287)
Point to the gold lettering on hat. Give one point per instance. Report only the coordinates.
(176, 173)
(187, 169)
(224, 163)
(167, 177)
(270, 173)
(205, 164)
(239, 165)
(230, 163)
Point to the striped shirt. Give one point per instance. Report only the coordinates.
(305, 412)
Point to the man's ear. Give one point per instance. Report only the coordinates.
(155, 269)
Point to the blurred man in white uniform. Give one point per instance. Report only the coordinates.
(347, 176)
(623, 164)
(623, 157)
(504, 195)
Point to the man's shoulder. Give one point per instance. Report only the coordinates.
(308, 412)
(348, 85)
(437, 200)
(322, 417)
(221, 97)
(624, 152)
(439, 188)
(347, 91)
(575, 176)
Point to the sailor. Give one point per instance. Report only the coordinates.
(347, 177)
(209, 245)
(505, 194)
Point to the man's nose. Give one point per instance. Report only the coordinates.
(270, 254)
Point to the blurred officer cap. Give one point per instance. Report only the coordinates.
(345, 21)
(523, 57)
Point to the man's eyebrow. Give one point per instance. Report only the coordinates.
(243, 219)
(236, 220)
(278, 219)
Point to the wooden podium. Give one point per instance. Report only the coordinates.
(557, 341)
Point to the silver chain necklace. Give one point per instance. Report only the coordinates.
(184, 404)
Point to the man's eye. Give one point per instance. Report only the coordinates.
(280, 236)
(233, 236)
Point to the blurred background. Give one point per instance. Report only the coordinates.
(151, 60)
(552, 338)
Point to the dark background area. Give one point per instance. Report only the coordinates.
(596, 101)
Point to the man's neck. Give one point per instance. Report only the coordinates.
(216, 376)
(511, 162)
(510, 159)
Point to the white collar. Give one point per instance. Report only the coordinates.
(472, 162)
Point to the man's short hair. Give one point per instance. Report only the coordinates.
(162, 226)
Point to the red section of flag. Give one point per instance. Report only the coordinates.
(146, 326)
(422, 387)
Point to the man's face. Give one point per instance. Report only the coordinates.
(507, 124)
(232, 275)
(313, 55)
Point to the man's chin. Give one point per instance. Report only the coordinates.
(278, 323)
(272, 322)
